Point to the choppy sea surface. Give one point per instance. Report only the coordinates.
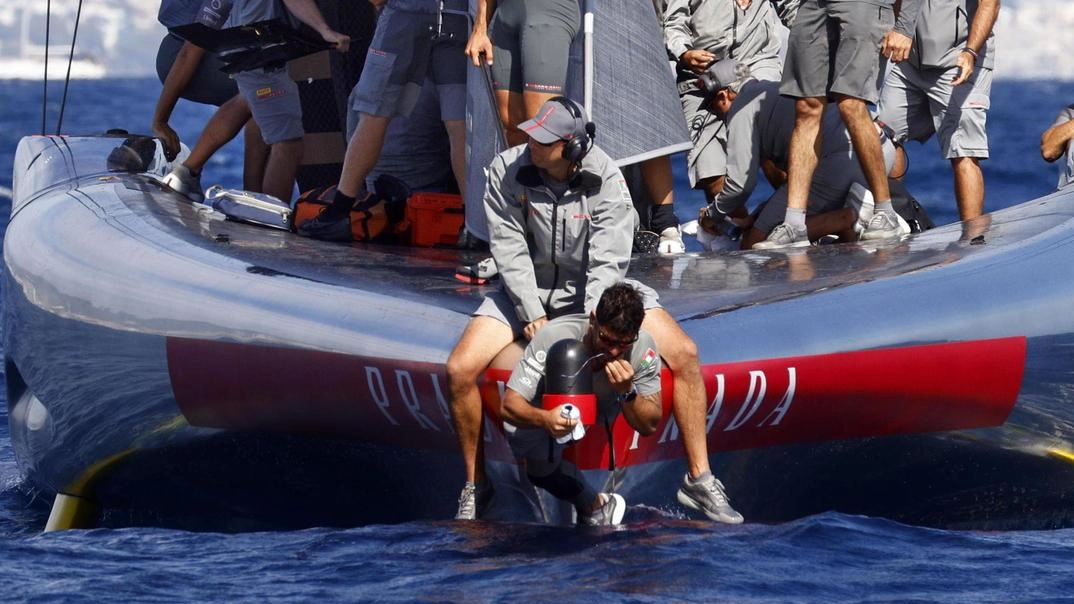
(826, 558)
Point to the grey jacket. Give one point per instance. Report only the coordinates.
(558, 255)
(720, 27)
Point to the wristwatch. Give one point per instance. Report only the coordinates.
(628, 397)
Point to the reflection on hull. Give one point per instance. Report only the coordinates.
(181, 369)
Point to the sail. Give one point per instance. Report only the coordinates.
(635, 105)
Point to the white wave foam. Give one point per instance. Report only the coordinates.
(1033, 40)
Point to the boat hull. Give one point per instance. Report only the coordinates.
(181, 369)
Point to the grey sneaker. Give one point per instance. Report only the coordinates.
(609, 514)
(884, 226)
(184, 183)
(471, 499)
(783, 236)
(707, 495)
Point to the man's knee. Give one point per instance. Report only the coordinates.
(809, 108)
(681, 355)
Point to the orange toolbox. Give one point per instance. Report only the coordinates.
(435, 218)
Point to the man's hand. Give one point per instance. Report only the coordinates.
(965, 64)
(532, 327)
(168, 139)
(479, 44)
(896, 46)
(556, 424)
(697, 60)
(620, 374)
(341, 42)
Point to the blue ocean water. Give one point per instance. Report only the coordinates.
(831, 557)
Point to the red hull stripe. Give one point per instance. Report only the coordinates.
(770, 402)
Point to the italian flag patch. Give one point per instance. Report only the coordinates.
(648, 359)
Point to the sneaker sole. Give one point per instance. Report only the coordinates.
(760, 245)
(689, 502)
(618, 510)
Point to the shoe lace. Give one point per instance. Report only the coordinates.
(782, 233)
(881, 221)
(715, 488)
(468, 495)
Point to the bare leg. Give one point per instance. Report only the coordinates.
(689, 402)
(456, 130)
(363, 151)
(255, 157)
(482, 339)
(283, 162)
(866, 142)
(220, 129)
(969, 187)
(659, 182)
(515, 108)
(804, 150)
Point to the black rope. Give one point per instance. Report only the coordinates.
(44, 94)
(70, 60)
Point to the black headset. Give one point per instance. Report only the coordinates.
(581, 141)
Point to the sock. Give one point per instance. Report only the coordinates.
(704, 476)
(340, 206)
(662, 217)
(795, 219)
(884, 207)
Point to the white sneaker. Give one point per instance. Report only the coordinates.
(671, 241)
(184, 183)
(783, 235)
(882, 226)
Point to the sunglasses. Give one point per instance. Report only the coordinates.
(612, 342)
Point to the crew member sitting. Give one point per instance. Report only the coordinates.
(625, 370)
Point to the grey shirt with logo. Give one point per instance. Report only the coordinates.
(528, 376)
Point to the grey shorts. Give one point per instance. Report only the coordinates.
(919, 103)
(834, 48)
(707, 157)
(274, 103)
(831, 183)
(403, 53)
(531, 44)
(499, 306)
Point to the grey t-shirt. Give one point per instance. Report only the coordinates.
(528, 376)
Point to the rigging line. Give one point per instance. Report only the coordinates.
(44, 82)
(70, 60)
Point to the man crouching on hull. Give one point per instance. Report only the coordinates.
(561, 224)
(624, 369)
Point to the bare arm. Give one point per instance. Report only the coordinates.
(981, 27)
(516, 410)
(1055, 140)
(179, 76)
(307, 12)
(479, 42)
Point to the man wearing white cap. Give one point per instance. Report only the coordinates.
(561, 224)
